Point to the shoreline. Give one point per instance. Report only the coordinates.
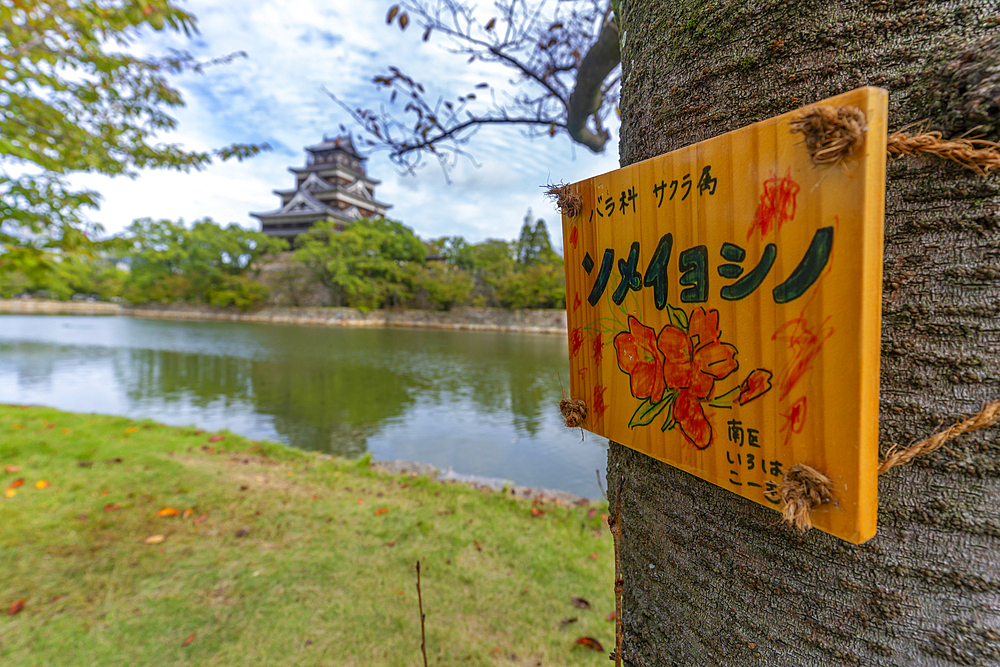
(545, 321)
(495, 484)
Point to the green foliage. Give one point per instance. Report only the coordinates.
(371, 264)
(537, 286)
(66, 276)
(534, 245)
(523, 274)
(443, 287)
(204, 264)
(70, 103)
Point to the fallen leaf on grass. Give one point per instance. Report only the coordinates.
(155, 539)
(390, 544)
(132, 429)
(168, 511)
(197, 432)
(104, 492)
(567, 621)
(589, 642)
(200, 519)
(535, 512)
(188, 640)
(315, 497)
(361, 501)
(9, 493)
(381, 510)
(16, 483)
(242, 532)
(475, 543)
(216, 438)
(11, 469)
(50, 426)
(84, 464)
(16, 606)
(244, 487)
(42, 484)
(66, 430)
(117, 459)
(593, 556)
(580, 603)
(612, 616)
(111, 507)
(18, 427)
(188, 512)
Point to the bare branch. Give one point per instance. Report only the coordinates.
(564, 57)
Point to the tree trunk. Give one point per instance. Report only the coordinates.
(713, 579)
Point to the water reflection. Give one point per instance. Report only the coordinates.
(481, 402)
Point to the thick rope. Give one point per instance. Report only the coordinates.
(574, 412)
(977, 155)
(985, 418)
(832, 133)
(804, 489)
(567, 200)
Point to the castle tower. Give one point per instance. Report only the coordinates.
(331, 187)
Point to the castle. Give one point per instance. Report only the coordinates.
(331, 187)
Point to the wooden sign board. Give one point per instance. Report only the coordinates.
(724, 307)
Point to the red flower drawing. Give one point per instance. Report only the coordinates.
(675, 372)
(693, 361)
(639, 357)
(756, 385)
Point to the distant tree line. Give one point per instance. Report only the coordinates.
(371, 264)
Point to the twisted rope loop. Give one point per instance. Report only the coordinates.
(804, 488)
(574, 412)
(567, 200)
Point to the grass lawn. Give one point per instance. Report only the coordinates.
(275, 556)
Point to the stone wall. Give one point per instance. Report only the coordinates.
(471, 319)
(44, 307)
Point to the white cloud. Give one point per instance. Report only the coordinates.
(295, 49)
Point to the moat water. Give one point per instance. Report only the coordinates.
(480, 403)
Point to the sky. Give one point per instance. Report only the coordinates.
(296, 51)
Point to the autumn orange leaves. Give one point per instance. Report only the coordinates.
(11, 490)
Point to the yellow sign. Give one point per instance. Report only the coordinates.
(724, 305)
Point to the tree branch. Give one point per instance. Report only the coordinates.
(588, 96)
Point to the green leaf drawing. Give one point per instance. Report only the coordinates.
(727, 399)
(670, 423)
(648, 411)
(678, 317)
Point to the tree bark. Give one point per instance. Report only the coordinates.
(713, 579)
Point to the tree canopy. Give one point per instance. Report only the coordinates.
(206, 263)
(72, 100)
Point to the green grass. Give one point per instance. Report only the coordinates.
(290, 565)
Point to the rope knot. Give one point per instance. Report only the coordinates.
(574, 412)
(802, 489)
(567, 200)
(832, 133)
